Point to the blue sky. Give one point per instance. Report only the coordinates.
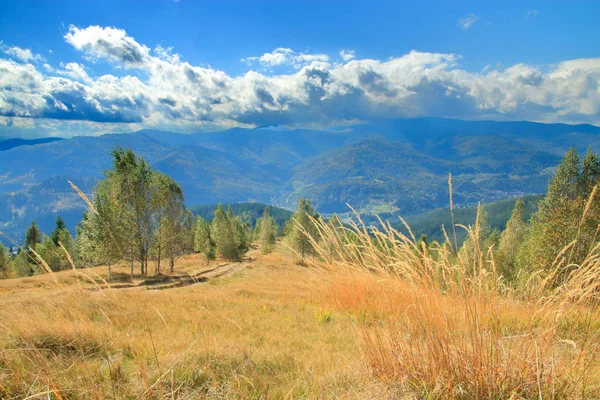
(82, 67)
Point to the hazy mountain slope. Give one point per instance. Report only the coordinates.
(385, 167)
(280, 148)
(34, 179)
(12, 143)
(42, 203)
(380, 174)
(206, 175)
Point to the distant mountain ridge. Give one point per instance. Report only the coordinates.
(7, 144)
(396, 166)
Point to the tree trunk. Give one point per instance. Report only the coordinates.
(158, 260)
(172, 264)
(108, 272)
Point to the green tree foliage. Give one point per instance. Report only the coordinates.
(138, 214)
(248, 212)
(430, 223)
(5, 262)
(50, 253)
(510, 241)
(60, 226)
(224, 233)
(103, 236)
(131, 179)
(562, 215)
(172, 222)
(240, 229)
(265, 231)
(22, 266)
(202, 241)
(33, 236)
(303, 225)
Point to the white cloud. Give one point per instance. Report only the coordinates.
(467, 21)
(286, 57)
(75, 71)
(19, 53)
(108, 43)
(532, 13)
(166, 92)
(347, 55)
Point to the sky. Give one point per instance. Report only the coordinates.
(92, 67)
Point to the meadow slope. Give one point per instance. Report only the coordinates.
(268, 328)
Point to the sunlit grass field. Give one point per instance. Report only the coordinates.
(269, 328)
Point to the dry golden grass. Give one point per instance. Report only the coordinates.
(380, 317)
(449, 346)
(255, 334)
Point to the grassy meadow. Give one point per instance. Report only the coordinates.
(267, 327)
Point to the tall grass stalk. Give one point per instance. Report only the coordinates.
(457, 329)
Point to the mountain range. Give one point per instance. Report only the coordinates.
(392, 167)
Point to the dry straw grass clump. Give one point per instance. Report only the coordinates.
(440, 323)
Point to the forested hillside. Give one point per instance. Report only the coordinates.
(395, 167)
(248, 212)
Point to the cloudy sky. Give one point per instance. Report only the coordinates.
(86, 68)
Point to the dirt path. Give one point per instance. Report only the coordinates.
(162, 282)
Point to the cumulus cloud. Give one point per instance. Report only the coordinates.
(19, 53)
(347, 55)
(108, 43)
(532, 13)
(167, 92)
(284, 56)
(467, 21)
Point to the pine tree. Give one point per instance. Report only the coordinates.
(60, 225)
(224, 236)
(21, 265)
(303, 227)
(5, 262)
(202, 243)
(511, 240)
(557, 221)
(50, 253)
(590, 172)
(265, 231)
(33, 236)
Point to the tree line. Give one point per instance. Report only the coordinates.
(138, 215)
(560, 234)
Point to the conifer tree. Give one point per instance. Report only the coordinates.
(224, 235)
(558, 220)
(60, 225)
(5, 262)
(50, 253)
(33, 236)
(21, 265)
(511, 240)
(202, 243)
(172, 223)
(303, 225)
(266, 227)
